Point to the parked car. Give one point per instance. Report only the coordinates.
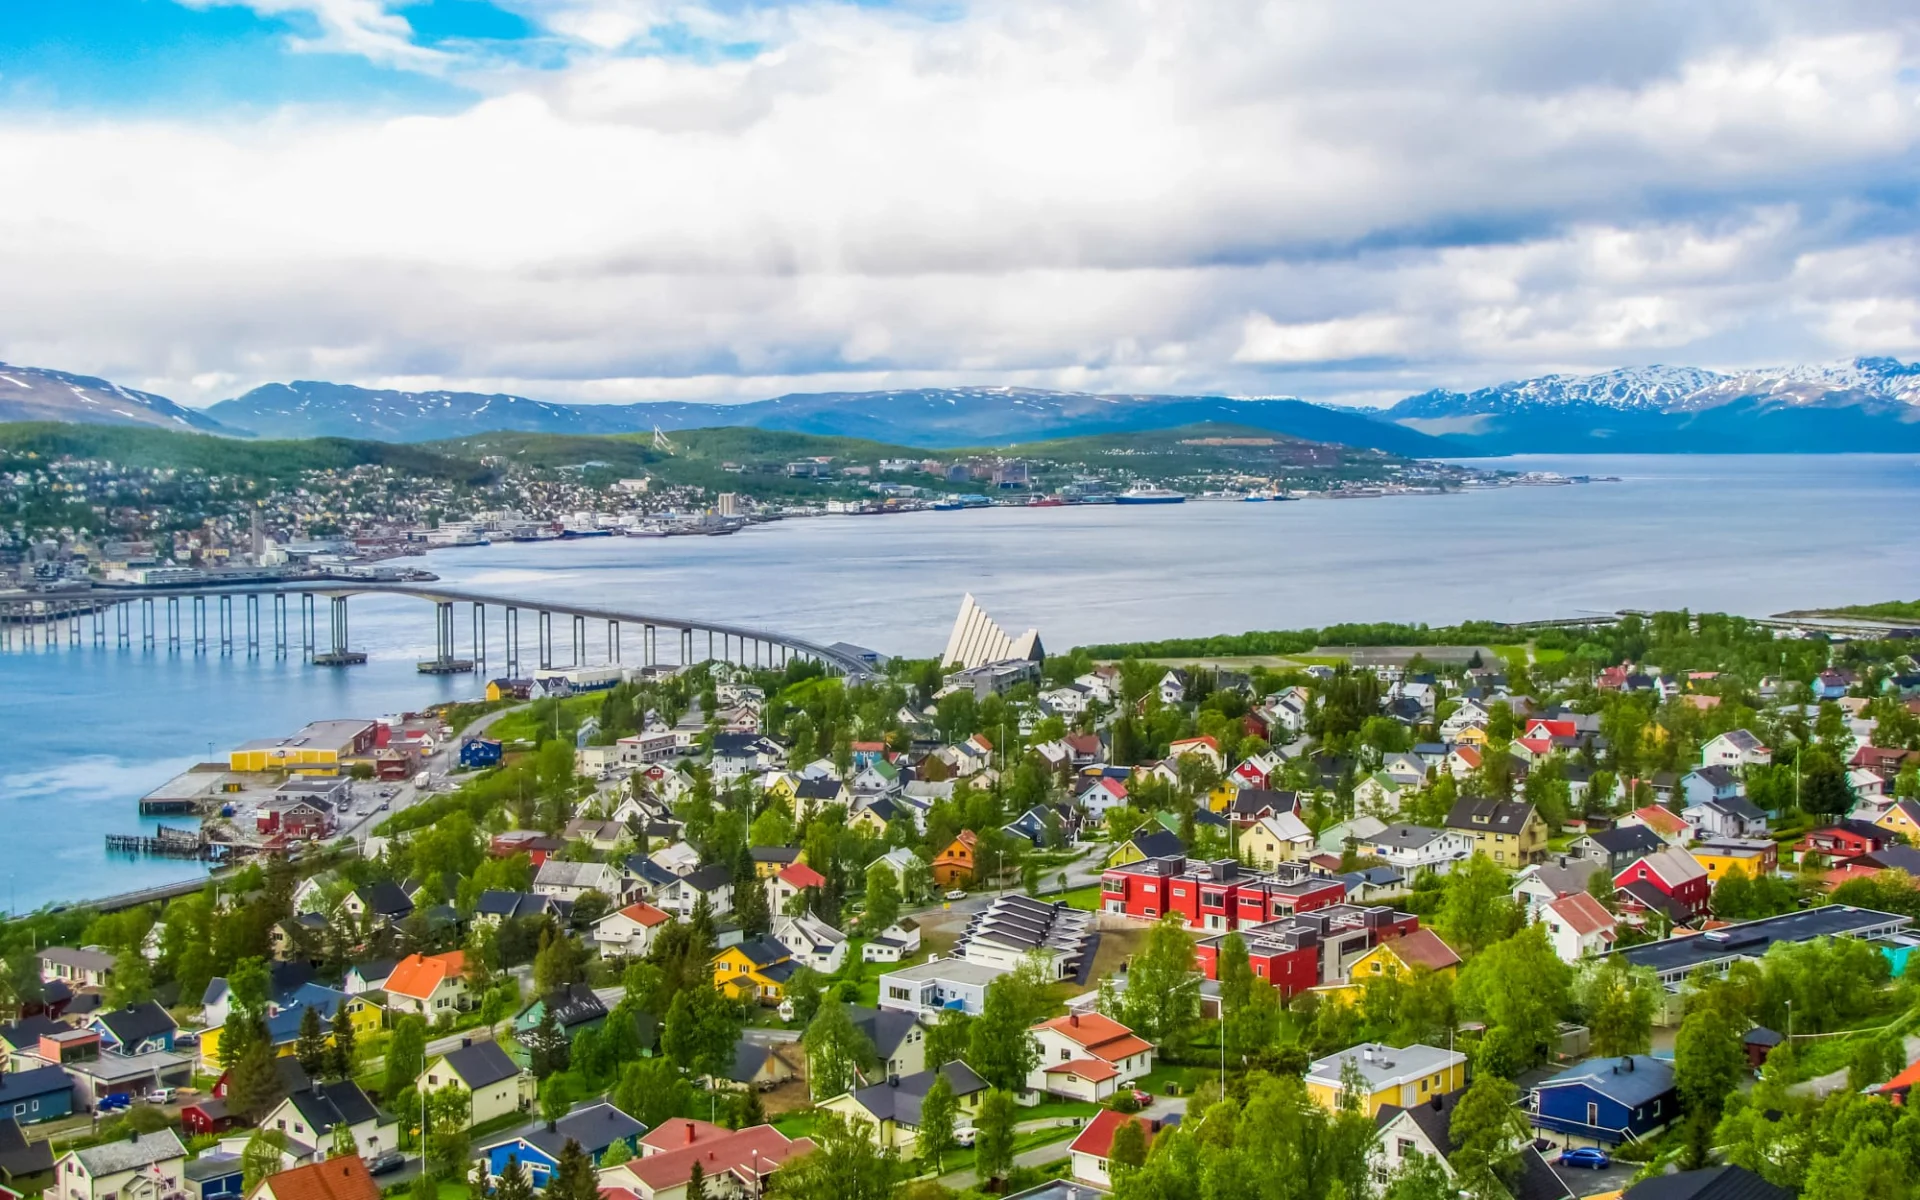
(1591, 1157)
(113, 1102)
(163, 1095)
(957, 894)
(963, 1138)
(385, 1161)
(1142, 1098)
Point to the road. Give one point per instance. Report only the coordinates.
(405, 795)
(1037, 1156)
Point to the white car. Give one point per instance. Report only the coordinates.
(957, 894)
(163, 1095)
(963, 1138)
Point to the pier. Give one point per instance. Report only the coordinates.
(169, 842)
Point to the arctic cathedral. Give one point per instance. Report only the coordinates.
(977, 641)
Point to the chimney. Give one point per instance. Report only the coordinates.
(135, 1137)
(689, 1133)
(552, 1126)
(1629, 1062)
(1366, 1054)
(465, 1042)
(1437, 1106)
(893, 1081)
(1074, 1020)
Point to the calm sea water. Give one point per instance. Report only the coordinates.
(87, 731)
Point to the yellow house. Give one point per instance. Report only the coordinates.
(869, 822)
(1755, 857)
(1904, 819)
(1421, 950)
(1472, 735)
(783, 786)
(1221, 797)
(1509, 832)
(888, 1112)
(362, 1013)
(755, 970)
(1406, 1077)
(366, 1013)
(495, 1086)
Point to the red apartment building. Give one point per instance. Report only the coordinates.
(1216, 896)
(1313, 948)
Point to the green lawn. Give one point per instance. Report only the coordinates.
(1087, 898)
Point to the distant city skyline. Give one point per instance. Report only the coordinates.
(615, 200)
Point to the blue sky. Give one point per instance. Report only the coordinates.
(621, 199)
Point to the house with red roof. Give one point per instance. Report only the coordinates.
(738, 1163)
(1842, 840)
(630, 930)
(1670, 881)
(1203, 746)
(789, 882)
(1578, 926)
(429, 984)
(1091, 1149)
(1672, 829)
(1087, 1056)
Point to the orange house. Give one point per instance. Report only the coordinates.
(953, 867)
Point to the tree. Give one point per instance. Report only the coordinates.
(1487, 1133)
(340, 1054)
(1619, 1000)
(1001, 1048)
(1420, 1177)
(573, 1176)
(1129, 1147)
(993, 1136)
(514, 1184)
(557, 964)
(1520, 988)
(949, 1037)
(883, 898)
(310, 1045)
(1477, 909)
(837, 1052)
(132, 979)
(547, 1049)
(343, 1143)
(1707, 1062)
(406, 1054)
(937, 1109)
(1162, 1000)
(696, 1183)
(843, 1165)
(253, 1084)
(651, 1091)
(701, 1029)
(263, 1156)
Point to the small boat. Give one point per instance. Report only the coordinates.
(1262, 495)
(1143, 494)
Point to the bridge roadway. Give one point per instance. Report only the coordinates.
(741, 643)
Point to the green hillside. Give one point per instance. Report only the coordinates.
(164, 449)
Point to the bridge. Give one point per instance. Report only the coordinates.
(257, 618)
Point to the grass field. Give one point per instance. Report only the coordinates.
(1085, 898)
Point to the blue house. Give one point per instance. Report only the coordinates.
(37, 1095)
(1606, 1099)
(135, 1030)
(1708, 784)
(479, 752)
(595, 1126)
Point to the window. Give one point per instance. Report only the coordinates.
(1593, 1113)
(1404, 1148)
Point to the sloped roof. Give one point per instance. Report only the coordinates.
(1097, 1138)
(480, 1064)
(417, 975)
(1581, 913)
(344, 1178)
(140, 1150)
(1423, 948)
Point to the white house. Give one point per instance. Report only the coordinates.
(1087, 1057)
(896, 942)
(927, 989)
(683, 893)
(1277, 838)
(811, 941)
(1578, 926)
(680, 858)
(1173, 687)
(1416, 849)
(630, 930)
(572, 880)
(1736, 748)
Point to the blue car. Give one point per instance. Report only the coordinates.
(1585, 1156)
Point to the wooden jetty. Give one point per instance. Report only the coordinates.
(168, 842)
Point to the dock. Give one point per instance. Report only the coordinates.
(340, 658)
(445, 666)
(168, 842)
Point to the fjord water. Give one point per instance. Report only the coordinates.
(89, 730)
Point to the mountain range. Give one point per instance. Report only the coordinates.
(1863, 404)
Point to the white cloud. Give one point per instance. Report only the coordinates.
(368, 28)
(1046, 192)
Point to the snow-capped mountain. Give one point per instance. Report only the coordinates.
(1865, 404)
(306, 408)
(38, 394)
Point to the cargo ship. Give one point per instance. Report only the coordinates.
(1142, 494)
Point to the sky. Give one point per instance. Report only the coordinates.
(616, 200)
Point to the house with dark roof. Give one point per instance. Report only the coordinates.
(385, 900)
(308, 1115)
(898, 1038)
(1426, 1130)
(759, 1066)
(574, 1008)
(38, 1094)
(495, 1083)
(1147, 843)
(1615, 848)
(138, 1029)
(597, 1128)
(1509, 832)
(1712, 1183)
(888, 1112)
(493, 907)
(1606, 1101)
(712, 883)
(144, 1166)
(24, 1166)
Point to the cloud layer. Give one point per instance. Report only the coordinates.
(1335, 200)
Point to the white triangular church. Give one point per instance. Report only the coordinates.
(977, 641)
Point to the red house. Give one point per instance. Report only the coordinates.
(1843, 840)
(1217, 896)
(530, 842)
(1669, 881)
(203, 1117)
(1310, 949)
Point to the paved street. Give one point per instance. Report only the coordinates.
(1035, 1157)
